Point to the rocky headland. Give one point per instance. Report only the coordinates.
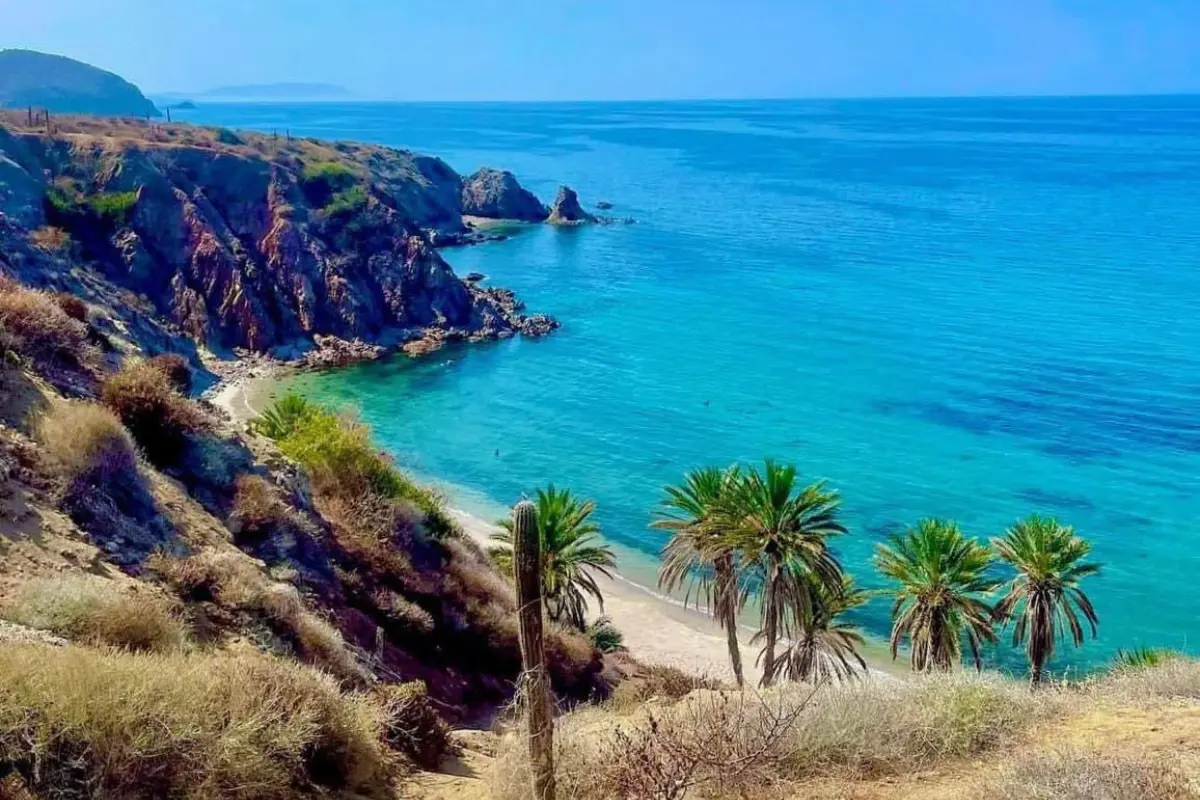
(251, 242)
(567, 209)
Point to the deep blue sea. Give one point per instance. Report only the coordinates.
(973, 309)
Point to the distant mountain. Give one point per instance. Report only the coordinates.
(66, 86)
(278, 91)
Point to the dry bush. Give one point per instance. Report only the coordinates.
(412, 725)
(85, 723)
(87, 444)
(51, 239)
(72, 306)
(232, 581)
(97, 611)
(1173, 679)
(177, 370)
(159, 418)
(400, 610)
(1089, 776)
(41, 330)
(257, 507)
(881, 727)
(656, 681)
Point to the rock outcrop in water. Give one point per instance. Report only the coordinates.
(496, 194)
(248, 241)
(567, 210)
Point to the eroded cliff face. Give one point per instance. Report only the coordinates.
(254, 241)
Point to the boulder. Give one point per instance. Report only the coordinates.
(567, 210)
(604, 205)
(496, 194)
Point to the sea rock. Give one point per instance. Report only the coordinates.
(604, 205)
(330, 351)
(496, 194)
(475, 277)
(567, 210)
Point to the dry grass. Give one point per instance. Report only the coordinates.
(84, 723)
(412, 725)
(656, 682)
(41, 330)
(72, 306)
(51, 239)
(257, 507)
(1173, 679)
(1089, 776)
(176, 369)
(98, 611)
(153, 410)
(787, 736)
(232, 581)
(87, 443)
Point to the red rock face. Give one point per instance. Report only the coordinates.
(227, 244)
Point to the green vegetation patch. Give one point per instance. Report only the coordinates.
(322, 181)
(70, 208)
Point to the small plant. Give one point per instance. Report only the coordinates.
(87, 444)
(176, 369)
(283, 417)
(51, 239)
(322, 180)
(1140, 658)
(159, 418)
(605, 636)
(72, 306)
(346, 202)
(98, 612)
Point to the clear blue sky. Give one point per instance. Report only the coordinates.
(629, 49)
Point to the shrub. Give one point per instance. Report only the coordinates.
(1142, 658)
(346, 202)
(233, 581)
(72, 306)
(51, 239)
(176, 369)
(226, 136)
(1171, 678)
(87, 444)
(257, 507)
(412, 726)
(657, 681)
(97, 611)
(159, 418)
(113, 208)
(40, 329)
(68, 207)
(1089, 776)
(605, 636)
(84, 723)
(322, 180)
(338, 454)
(284, 415)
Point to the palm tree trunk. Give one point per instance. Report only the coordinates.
(727, 605)
(771, 625)
(1035, 673)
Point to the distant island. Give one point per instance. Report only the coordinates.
(265, 91)
(65, 86)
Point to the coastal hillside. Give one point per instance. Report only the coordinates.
(247, 240)
(62, 85)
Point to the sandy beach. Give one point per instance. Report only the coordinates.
(657, 630)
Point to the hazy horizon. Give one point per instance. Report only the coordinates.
(625, 51)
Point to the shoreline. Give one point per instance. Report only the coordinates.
(657, 629)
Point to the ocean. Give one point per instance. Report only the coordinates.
(972, 308)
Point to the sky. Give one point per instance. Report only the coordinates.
(629, 49)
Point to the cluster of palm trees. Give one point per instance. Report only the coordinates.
(749, 532)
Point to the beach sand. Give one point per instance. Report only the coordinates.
(657, 630)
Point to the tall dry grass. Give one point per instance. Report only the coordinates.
(77, 722)
(86, 442)
(98, 611)
(1089, 776)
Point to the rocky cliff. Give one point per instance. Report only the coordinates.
(567, 209)
(246, 240)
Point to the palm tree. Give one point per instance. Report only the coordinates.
(571, 553)
(824, 646)
(941, 580)
(781, 531)
(1044, 598)
(699, 555)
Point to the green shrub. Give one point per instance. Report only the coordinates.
(322, 180)
(605, 636)
(159, 418)
(70, 208)
(113, 207)
(338, 454)
(97, 611)
(76, 722)
(346, 202)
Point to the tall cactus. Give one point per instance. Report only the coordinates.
(527, 562)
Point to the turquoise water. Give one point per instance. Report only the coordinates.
(974, 309)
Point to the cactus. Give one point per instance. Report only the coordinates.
(527, 558)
